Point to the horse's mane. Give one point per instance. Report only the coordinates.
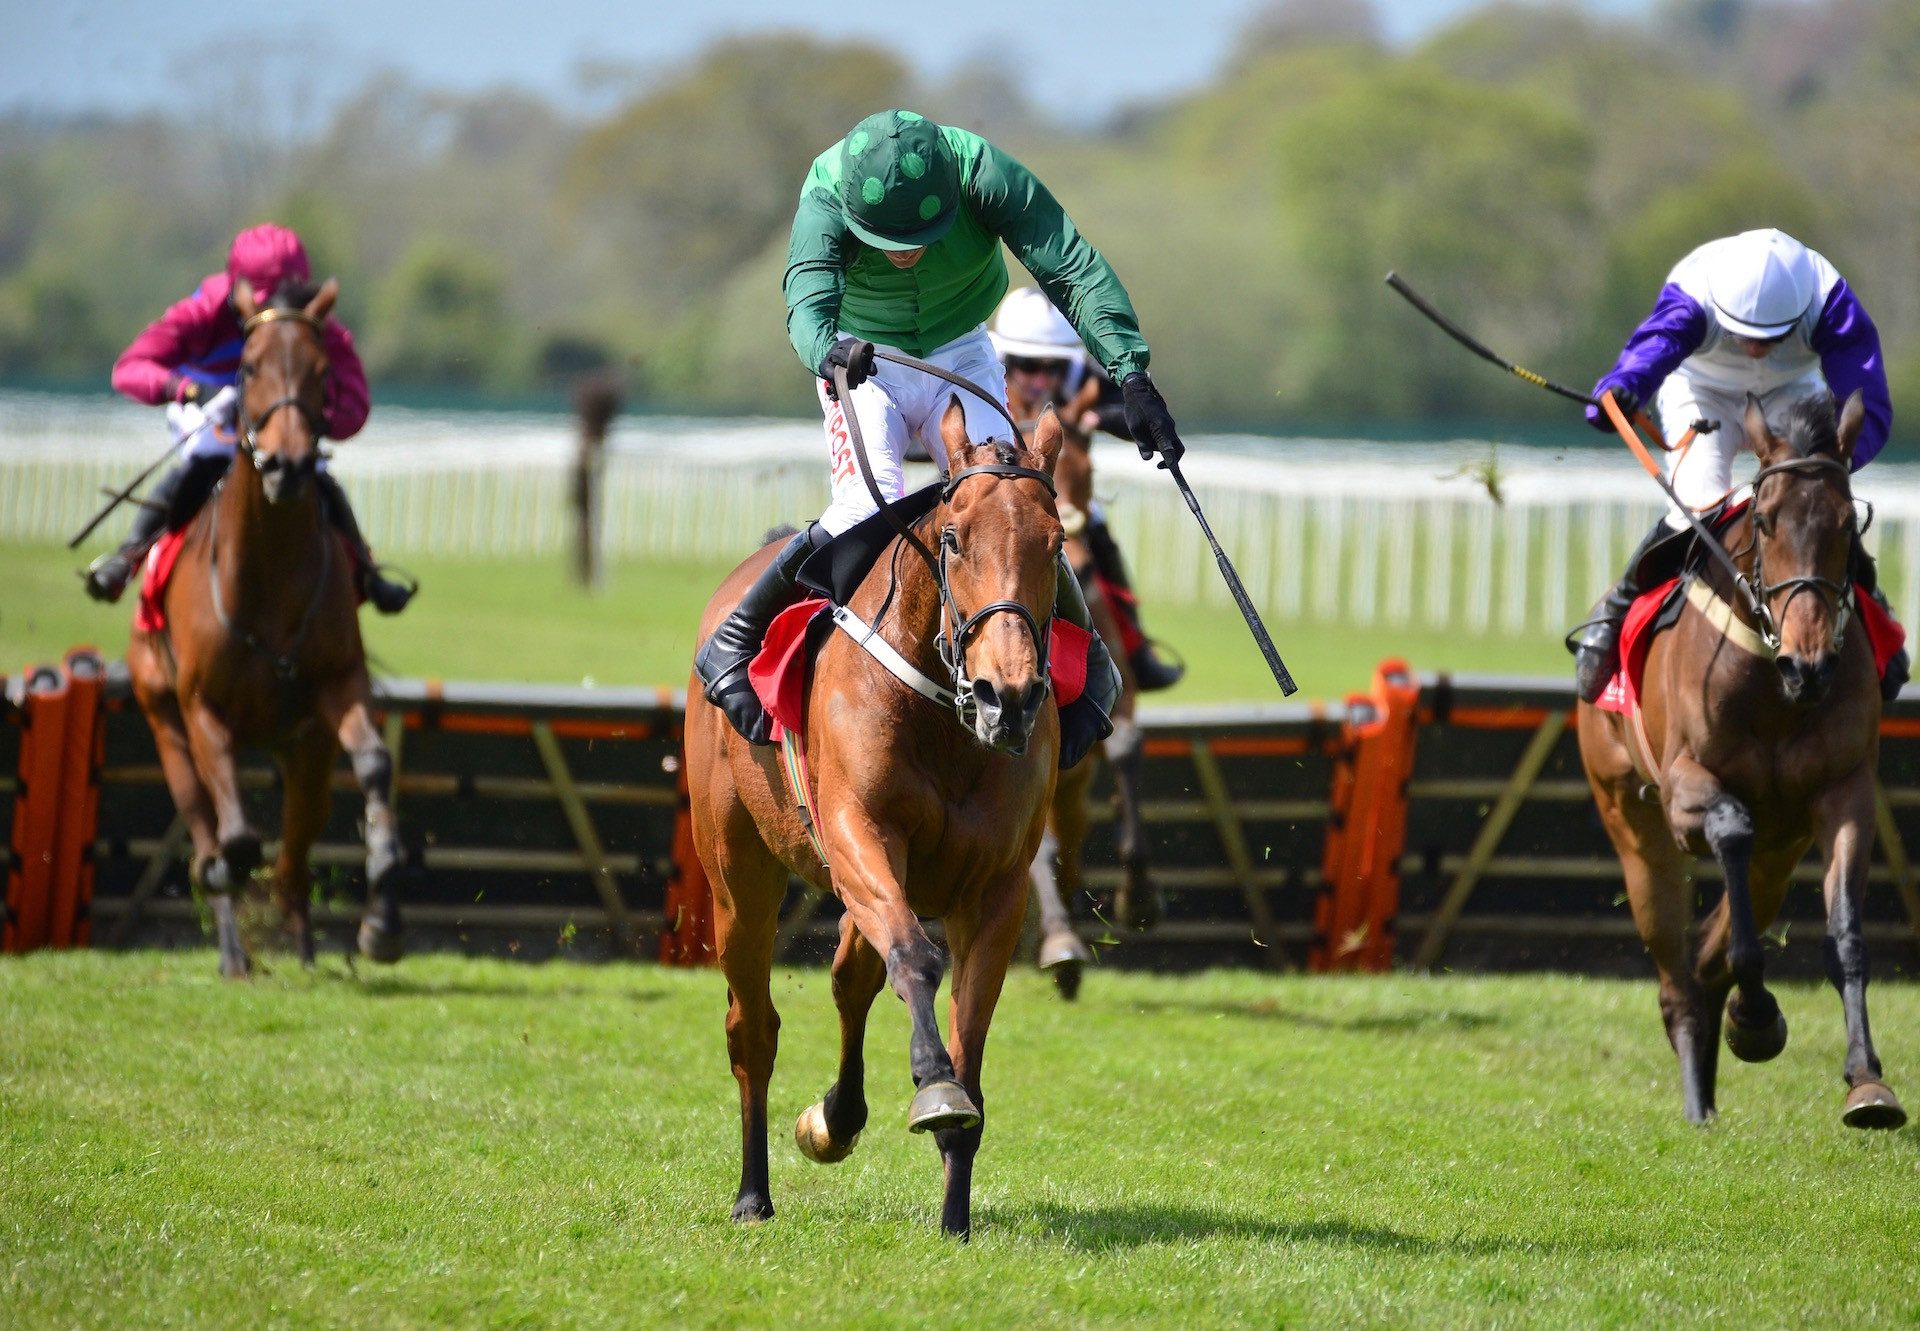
(1809, 427)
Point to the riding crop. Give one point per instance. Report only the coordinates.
(1248, 612)
(115, 498)
(1627, 429)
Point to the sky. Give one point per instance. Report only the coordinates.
(72, 56)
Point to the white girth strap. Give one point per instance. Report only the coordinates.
(1722, 616)
(882, 651)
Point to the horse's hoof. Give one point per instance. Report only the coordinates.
(942, 1106)
(231, 869)
(810, 1134)
(1066, 979)
(232, 968)
(1063, 948)
(1873, 1104)
(752, 1209)
(1756, 1044)
(379, 943)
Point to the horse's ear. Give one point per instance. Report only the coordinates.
(1853, 415)
(1048, 435)
(244, 303)
(953, 433)
(322, 303)
(1759, 438)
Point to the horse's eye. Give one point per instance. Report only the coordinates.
(1763, 524)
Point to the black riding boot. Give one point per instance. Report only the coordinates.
(1899, 669)
(389, 595)
(1150, 672)
(722, 660)
(1596, 644)
(168, 506)
(1086, 720)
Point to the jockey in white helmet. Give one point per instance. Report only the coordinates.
(1755, 313)
(1044, 358)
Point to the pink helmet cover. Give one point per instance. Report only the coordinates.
(265, 256)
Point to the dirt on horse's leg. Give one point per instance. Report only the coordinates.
(1697, 804)
(1137, 903)
(982, 949)
(869, 873)
(1844, 824)
(1661, 898)
(827, 1130)
(748, 883)
(306, 767)
(228, 870)
(348, 711)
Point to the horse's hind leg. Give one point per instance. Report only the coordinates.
(828, 1130)
(1056, 874)
(982, 948)
(307, 768)
(348, 711)
(748, 883)
(1137, 903)
(1844, 823)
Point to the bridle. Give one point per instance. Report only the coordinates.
(956, 626)
(1839, 596)
(250, 425)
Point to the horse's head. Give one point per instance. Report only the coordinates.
(283, 383)
(999, 549)
(1804, 532)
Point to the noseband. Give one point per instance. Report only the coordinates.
(250, 426)
(1839, 596)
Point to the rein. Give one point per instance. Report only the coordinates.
(955, 624)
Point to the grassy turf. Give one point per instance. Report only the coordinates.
(527, 621)
(468, 1142)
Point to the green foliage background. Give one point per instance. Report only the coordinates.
(1534, 169)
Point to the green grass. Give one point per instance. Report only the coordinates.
(527, 621)
(477, 1143)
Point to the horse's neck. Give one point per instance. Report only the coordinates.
(911, 622)
(262, 550)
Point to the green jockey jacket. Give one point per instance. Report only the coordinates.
(836, 283)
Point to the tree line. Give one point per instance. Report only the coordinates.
(1535, 170)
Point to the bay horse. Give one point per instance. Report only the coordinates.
(1057, 869)
(262, 647)
(1761, 737)
(916, 816)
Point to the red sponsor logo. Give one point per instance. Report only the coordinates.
(839, 442)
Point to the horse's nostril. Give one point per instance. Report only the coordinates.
(988, 699)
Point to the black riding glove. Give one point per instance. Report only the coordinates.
(1625, 398)
(856, 356)
(1149, 421)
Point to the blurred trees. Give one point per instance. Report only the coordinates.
(1534, 170)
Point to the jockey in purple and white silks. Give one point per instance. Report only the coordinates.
(1755, 313)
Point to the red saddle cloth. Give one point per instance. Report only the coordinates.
(1622, 693)
(779, 672)
(156, 571)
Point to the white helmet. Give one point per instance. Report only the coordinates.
(1761, 283)
(1026, 324)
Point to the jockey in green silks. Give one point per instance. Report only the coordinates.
(896, 243)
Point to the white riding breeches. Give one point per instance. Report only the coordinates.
(1703, 475)
(895, 405)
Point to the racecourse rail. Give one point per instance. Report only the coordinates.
(1434, 822)
(1323, 530)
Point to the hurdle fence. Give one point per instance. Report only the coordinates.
(1430, 822)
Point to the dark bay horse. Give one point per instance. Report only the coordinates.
(262, 647)
(1761, 738)
(917, 816)
(1057, 868)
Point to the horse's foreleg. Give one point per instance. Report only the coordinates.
(1698, 805)
(1056, 874)
(348, 711)
(869, 873)
(307, 766)
(1844, 823)
(829, 1129)
(983, 945)
(225, 868)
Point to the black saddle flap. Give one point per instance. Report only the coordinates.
(837, 568)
